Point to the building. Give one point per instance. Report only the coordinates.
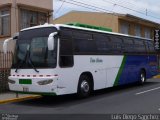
(121, 23)
(18, 14)
(14, 16)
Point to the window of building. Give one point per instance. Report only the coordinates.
(4, 22)
(138, 30)
(30, 18)
(147, 33)
(124, 28)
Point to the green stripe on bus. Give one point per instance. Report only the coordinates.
(37, 93)
(120, 71)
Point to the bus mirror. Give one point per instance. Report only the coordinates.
(51, 41)
(5, 45)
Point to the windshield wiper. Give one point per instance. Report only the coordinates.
(31, 63)
(27, 55)
(19, 65)
(22, 62)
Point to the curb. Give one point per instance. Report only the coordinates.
(19, 99)
(157, 76)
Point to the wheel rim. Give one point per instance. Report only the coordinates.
(85, 86)
(142, 77)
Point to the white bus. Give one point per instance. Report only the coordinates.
(63, 59)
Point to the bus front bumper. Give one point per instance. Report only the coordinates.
(31, 85)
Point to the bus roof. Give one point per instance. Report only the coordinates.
(100, 31)
(39, 26)
(80, 28)
(90, 26)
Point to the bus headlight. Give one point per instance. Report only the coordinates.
(45, 82)
(11, 81)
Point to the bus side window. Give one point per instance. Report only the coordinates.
(84, 43)
(83, 46)
(82, 35)
(139, 46)
(128, 45)
(102, 43)
(116, 44)
(65, 33)
(66, 53)
(150, 45)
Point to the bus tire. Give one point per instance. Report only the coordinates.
(84, 86)
(142, 77)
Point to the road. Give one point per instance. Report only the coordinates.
(127, 99)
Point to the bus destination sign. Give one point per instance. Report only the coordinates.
(157, 39)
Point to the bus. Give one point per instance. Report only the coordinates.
(66, 59)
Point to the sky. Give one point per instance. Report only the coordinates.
(147, 9)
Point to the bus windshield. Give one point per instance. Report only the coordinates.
(32, 51)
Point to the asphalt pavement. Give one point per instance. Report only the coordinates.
(130, 99)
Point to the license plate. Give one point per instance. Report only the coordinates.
(25, 81)
(25, 89)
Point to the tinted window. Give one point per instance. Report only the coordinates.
(85, 46)
(84, 43)
(82, 35)
(150, 46)
(32, 49)
(128, 45)
(66, 53)
(66, 48)
(139, 45)
(102, 43)
(116, 44)
(108, 44)
(66, 33)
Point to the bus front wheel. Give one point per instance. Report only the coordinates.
(84, 86)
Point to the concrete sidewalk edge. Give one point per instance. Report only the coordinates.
(19, 99)
(157, 76)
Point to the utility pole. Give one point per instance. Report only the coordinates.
(146, 12)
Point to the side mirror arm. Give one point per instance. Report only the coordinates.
(5, 44)
(15, 36)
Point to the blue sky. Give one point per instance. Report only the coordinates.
(148, 9)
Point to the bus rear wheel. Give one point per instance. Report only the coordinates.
(142, 77)
(84, 86)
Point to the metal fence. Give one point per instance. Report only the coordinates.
(5, 65)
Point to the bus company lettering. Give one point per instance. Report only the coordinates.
(157, 39)
(96, 60)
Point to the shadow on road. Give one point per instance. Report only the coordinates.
(68, 100)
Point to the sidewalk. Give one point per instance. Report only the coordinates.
(13, 97)
(157, 76)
